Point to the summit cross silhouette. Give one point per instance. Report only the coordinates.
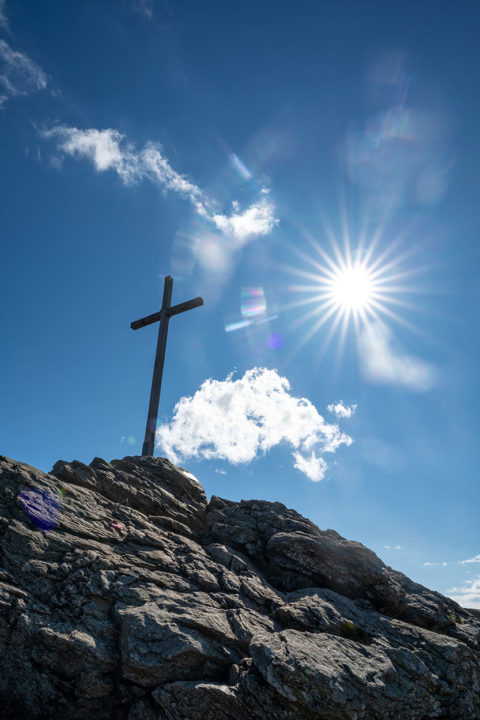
(163, 316)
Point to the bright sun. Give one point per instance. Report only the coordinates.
(352, 288)
(349, 287)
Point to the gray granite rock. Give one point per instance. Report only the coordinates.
(125, 594)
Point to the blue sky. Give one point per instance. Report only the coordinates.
(310, 170)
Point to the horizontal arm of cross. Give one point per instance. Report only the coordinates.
(173, 310)
(181, 307)
(147, 320)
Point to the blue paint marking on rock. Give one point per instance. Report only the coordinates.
(41, 506)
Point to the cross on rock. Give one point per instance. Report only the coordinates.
(163, 316)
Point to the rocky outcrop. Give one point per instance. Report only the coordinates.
(125, 594)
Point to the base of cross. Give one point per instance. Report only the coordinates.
(147, 450)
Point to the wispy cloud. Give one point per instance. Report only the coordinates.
(475, 559)
(148, 9)
(236, 420)
(109, 150)
(400, 154)
(144, 7)
(341, 410)
(468, 595)
(383, 362)
(379, 453)
(3, 15)
(19, 75)
(392, 547)
(435, 564)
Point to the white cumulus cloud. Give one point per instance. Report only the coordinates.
(19, 75)
(258, 219)
(109, 150)
(341, 410)
(468, 596)
(382, 362)
(236, 420)
(312, 466)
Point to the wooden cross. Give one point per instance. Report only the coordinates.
(164, 316)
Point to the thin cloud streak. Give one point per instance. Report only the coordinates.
(3, 16)
(108, 150)
(19, 75)
(381, 362)
(143, 7)
(475, 559)
(237, 420)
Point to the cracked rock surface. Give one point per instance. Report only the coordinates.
(125, 594)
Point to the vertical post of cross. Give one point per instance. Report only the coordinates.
(151, 426)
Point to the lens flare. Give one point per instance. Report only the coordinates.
(242, 170)
(231, 327)
(253, 302)
(275, 341)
